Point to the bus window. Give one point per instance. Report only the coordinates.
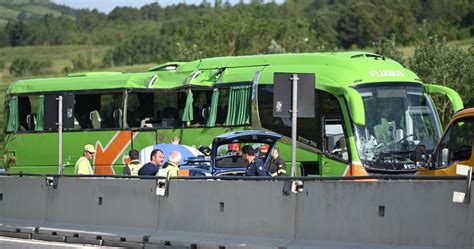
(158, 109)
(167, 108)
(399, 116)
(309, 129)
(27, 112)
(97, 111)
(201, 107)
(222, 106)
(334, 139)
(139, 108)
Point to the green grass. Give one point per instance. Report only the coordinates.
(10, 9)
(42, 10)
(60, 56)
(8, 13)
(409, 51)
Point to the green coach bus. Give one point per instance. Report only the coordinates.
(370, 112)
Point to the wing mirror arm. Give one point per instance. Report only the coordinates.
(452, 95)
(353, 98)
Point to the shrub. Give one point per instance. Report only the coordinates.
(25, 65)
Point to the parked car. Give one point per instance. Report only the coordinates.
(226, 156)
(456, 147)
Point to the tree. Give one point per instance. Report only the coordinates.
(18, 33)
(389, 49)
(358, 25)
(436, 62)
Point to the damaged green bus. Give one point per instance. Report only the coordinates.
(370, 112)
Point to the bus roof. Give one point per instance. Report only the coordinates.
(338, 69)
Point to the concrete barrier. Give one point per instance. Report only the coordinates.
(23, 204)
(112, 209)
(386, 213)
(241, 214)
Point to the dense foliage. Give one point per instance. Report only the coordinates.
(156, 33)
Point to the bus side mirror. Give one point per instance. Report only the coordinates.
(452, 95)
(444, 157)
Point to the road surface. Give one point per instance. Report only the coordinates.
(6, 242)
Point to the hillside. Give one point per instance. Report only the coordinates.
(30, 9)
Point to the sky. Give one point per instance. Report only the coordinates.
(108, 5)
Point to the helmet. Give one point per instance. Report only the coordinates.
(205, 150)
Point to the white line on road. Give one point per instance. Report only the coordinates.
(37, 242)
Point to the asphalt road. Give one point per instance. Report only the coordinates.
(6, 242)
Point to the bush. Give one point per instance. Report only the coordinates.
(2, 65)
(436, 62)
(389, 49)
(25, 65)
(82, 62)
(144, 48)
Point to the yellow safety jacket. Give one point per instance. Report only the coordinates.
(134, 167)
(83, 167)
(170, 167)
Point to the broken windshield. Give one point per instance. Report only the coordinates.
(398, 117)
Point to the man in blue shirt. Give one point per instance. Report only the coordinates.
(256, 166)
(156, 161)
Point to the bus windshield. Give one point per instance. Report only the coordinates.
(398, 117)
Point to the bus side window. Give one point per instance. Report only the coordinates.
(111, 110)
(201, 107)
(222, 105)
(27, 112)
(334, 141)
(309, 129)
(24, 113)
(167, 109)
(96, 111)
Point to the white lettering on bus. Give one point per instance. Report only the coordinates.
(386, 73)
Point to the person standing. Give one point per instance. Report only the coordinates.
(152, 167)
(277, 165)
(256, 166)
(171, 167)
(132, 168)
(83, 165)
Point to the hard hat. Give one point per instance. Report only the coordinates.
(90, 148)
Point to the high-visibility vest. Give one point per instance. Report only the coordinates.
(83, 167)
(170, 167)
(134, 167)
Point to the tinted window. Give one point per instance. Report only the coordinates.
(462, 138)
(310, 130)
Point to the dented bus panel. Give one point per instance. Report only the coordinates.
(370, 112)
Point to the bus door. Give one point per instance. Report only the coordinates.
(335, 150)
